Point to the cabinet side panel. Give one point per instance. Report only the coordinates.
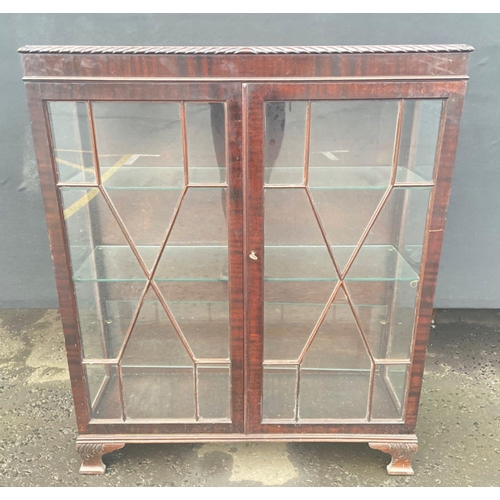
(60, 255)
(430, 262)
(236, 256)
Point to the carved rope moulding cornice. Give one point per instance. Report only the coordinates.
(333, 49)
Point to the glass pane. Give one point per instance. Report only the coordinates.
(105, 311)
(390, 259)
(69, 123)
(338, 343)
(279, 392)
(193, 272)
(206, 141)
(89, 320)
(103, 391)
(98, 248)
(389, 391)
(386, 310)
(419, 138)
(107, 277)
(351, 155)
(154, 340)
(401, 320)
(214, 391)
(205, 323)
(158, 373)
(333, 394)
(345, 214)
(159, 393)
(350, 164)
(369, 300)
(413, 216)
(289, 324)
(353, 139)
(299, 275)
(140, 156)
(335, 372)
(146, 215)
(139, 135)
(284, 142)
(396, 238)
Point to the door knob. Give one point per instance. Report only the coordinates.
(253, 256)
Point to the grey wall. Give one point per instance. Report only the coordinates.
(470, 267)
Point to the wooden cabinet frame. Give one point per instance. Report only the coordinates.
(244, 79)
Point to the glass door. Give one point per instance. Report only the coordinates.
(156, 263)
(340, 192)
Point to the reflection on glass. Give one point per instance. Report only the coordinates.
(147, 216)
(206, 142)
(400, 323)
(414, 220)
(145, 135)
(419, 137)
(205, 323)
(289, 324)
(345, 214)
(284, 142)
(69, 123)
(355, 134)
(338, 343)
(330, 394)
(200, 231)
(94, 236)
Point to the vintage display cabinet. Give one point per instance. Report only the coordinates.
(246, 239)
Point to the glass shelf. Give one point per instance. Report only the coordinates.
(206, 264)
(352, 177)
(140, 178)
(373, 263)
(328, 177)
(178, 263)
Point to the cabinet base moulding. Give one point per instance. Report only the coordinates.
(400, 447)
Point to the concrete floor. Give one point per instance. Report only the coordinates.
(458, 428)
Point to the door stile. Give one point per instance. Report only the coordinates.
(254, 289)
(234, 161)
